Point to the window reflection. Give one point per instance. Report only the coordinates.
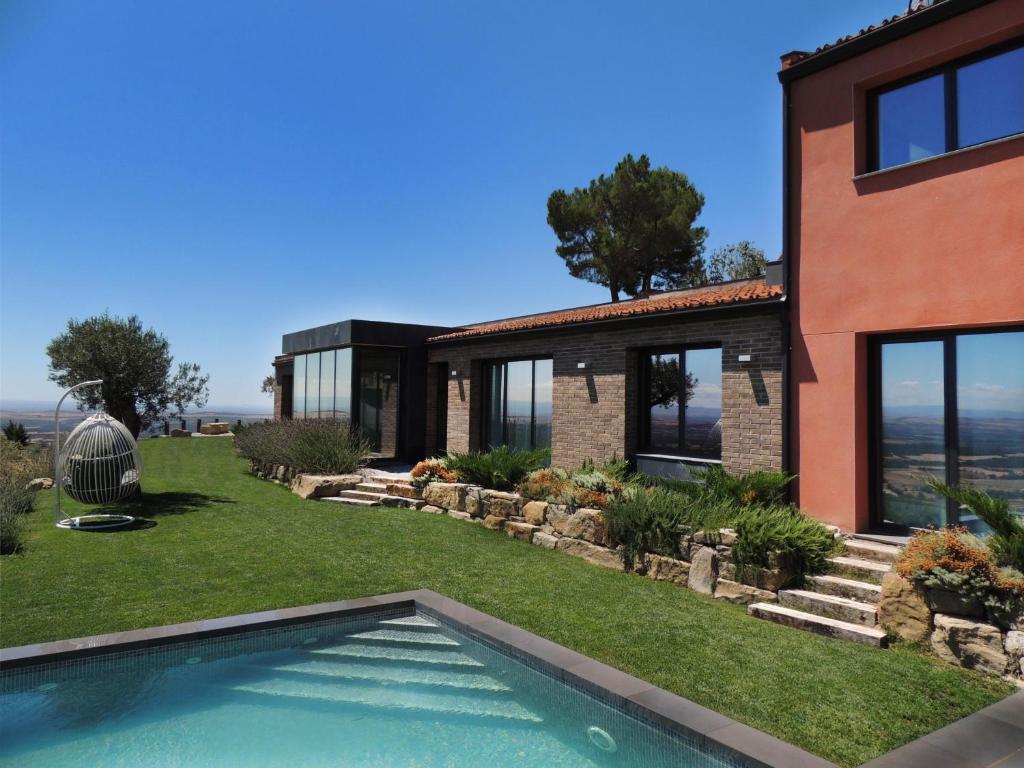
(990, 98)
(912, 122)
(684, 403)
(519, 404)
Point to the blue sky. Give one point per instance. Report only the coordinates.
(234, 171)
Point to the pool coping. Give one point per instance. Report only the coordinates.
(1002, 724)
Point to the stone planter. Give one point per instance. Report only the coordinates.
(951, 603)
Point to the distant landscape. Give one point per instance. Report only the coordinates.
(37, 416)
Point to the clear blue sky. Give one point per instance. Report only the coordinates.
(231, 171)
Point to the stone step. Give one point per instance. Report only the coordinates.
(351, 502)
(411, 621)
(363, 495)
(394, 654)
(821, 625)
(405, 636)
(872, 550)
(378, 673)
(833, 607)
(859, 568)
(372, 487)
(852, 589)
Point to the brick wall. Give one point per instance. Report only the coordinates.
(596, 410)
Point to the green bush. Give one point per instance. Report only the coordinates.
(781, 535)
(501, 469)
(10, 526)
(761, 487)
(647, 520)
(16, 433)
(307, 445)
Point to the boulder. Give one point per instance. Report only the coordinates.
(545, 540)
(953, 603)
(534, 511)
(494, 522)
(475, 501)
(661, 568)
(743, 594)
(279, 472)
(902, 610)
(501, 504)
(605, 558)
(771, 579)
(727, 536)
(522, 531)
(320, 486)
(704, 571)
(1013, 644)
(587, 524)
(181, 433)
(434, 510)
(39, 484)
(446, 495)
(557, 517)
(215, 428)
(459, 515)
(969, 644)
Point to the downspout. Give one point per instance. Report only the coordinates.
(787, 398)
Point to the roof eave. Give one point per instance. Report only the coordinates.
(877, 37)
(608, 320)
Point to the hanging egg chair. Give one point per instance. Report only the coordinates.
(99, 463)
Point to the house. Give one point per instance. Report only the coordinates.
(886, 347)
(904, 258)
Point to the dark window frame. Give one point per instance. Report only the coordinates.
(485, 421)
(949, 71)
(644, 398)
(950, 412)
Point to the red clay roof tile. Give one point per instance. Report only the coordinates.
(739, 292)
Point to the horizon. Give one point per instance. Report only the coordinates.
(231, 177)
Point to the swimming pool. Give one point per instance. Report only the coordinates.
(398, 686)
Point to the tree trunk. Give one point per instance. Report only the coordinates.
(127, 415)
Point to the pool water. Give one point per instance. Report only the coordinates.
(389, 690)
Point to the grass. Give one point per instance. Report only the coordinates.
(220, 542)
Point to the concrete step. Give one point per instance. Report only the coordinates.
(401, 501)
(391, 697)
(849, 588)
(372, 487)
(872, 550)
(821, 625)
(858, 568)
(410, 675)
(420, 622)
(833, 607)
(400, 655)
(406, 637)
(351, 502)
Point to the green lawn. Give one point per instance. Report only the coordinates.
(224, 542)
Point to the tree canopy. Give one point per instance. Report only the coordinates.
(632, 231)
(739, 261)
(135, 365)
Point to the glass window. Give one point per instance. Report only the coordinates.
(664, 383)
(684, 403)
(702, 425)
(913, 432)
(518, 411)
(327, 384)
(990, 416)
(299, 387)
(990, 98)
(911, 122)
(343, 385)
(312, 385)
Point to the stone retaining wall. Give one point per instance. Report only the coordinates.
(706, 565)
(954, 628)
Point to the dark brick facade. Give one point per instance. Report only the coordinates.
(596, 410)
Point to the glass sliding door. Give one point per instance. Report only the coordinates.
(951, 407)
(299, 387)
(664, 385)
(378, 399)
(327, 384)
(913, 433)
(682, 415)
(518, 411)
(702, 425)
(343, 385)
(990, 417)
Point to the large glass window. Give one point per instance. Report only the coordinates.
(299, 387)
(960, 104)
(683, 410)
(326, 409)
(952, 408)
(343, 385)
(313, 385)
(322, 385)
(519, 397)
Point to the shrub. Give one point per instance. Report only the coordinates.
(432, 471)
(16, 433)
(546, 484)
(307, 445)
(782, 534)
(10, 527)
(647, 520)
(761, 487)
(1007, 538)
(500, 469)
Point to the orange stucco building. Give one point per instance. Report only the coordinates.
(904, 237)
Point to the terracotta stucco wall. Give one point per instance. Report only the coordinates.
(935, 245)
